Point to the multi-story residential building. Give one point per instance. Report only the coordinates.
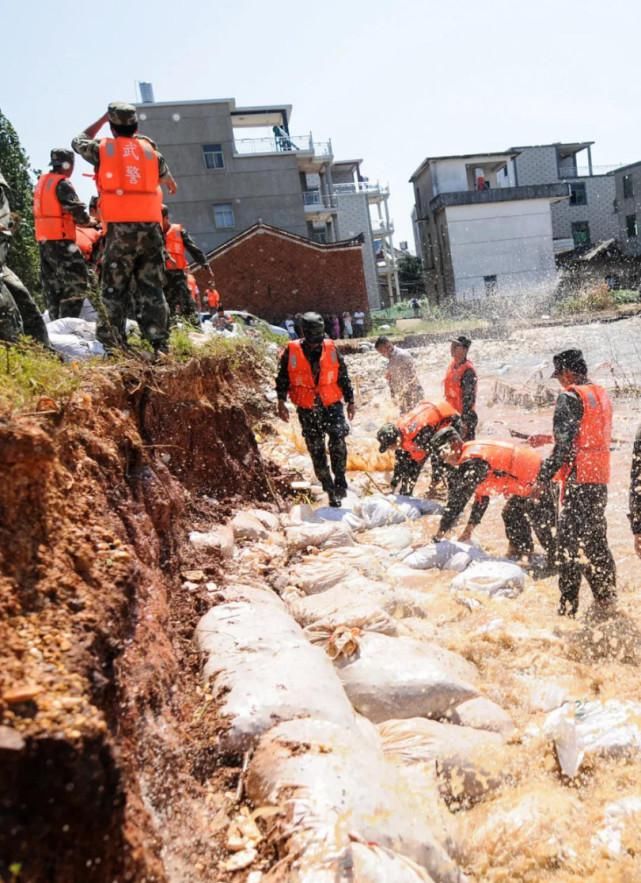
(238, 166)
(628, 206)
(589, 215)
(480, 231)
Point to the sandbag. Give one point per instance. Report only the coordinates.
(73, 347)
(482, 714)
(392, 537)
(372, 561)
(327, 535)
(498, 579)
(377, 511)
(333, 785)
(400, 574)
(219, 539)
(402, 677)
(470, 763)
(600, 729)
(247, 527)
(355, 603)
(444, 555)
(268, 519)
(264, 670)
(318, 574)
(621, 829)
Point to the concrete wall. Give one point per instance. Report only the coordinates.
(266, 187)
(599, 211)
(629, 206)
(449, 176)
(511, 240)
(353, 218)
(273, 275)
(537, 165)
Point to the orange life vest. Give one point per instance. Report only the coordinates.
(513, 468)
(193, 288)
(86, 238)
(176, 257)
(213, 299)
(128, 181)
(303, 391)
(591, 450)
(452, 383)
(423, 415)
(52, 221)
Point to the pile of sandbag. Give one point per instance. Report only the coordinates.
(262, 667)
(356, 603)
(334, 785)
(496, 579)
(74, 338)
(379, 510)
(444, 555)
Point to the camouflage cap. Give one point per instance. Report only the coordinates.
(386, 436)
(122, 114)
(60, 156)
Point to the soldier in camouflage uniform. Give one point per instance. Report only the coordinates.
(63, 270)
(18, 312)
(177, 242)
(134, 250)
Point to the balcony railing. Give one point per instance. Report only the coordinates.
(283, 144)
(382, 228)
(314, 199)
(361, 187)
(584, 171)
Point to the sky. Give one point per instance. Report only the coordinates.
(389, 82)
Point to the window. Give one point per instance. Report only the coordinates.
(578, 195)
(631, 227)
(419, 208)
(628, 188)
(213, 156)
(491, 285)
(224, 216)
(580, 233)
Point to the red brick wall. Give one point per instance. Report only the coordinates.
(271, 276)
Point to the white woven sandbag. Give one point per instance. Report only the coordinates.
(498, 579)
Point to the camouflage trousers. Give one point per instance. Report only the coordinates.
(10, 319)
(63, 272)
(316, 423)
(133, 260)
(178, 296)
(32, 321)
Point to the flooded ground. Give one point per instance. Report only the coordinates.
(539, 824)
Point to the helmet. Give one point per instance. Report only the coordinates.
(444, 439)
(386, 436)
(62, 158)
(122, 114)
(313, 327)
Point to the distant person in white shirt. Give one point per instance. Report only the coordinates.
(358, 321)
(348, 331)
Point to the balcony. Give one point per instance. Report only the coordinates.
(373, 191)
(553, 192)
(382, 228)
(318, 206)
(303, 145)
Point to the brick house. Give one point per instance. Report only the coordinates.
(271, 272)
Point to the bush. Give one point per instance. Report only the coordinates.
(590, 300)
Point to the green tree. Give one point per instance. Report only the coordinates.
(410, 275)
(14, 165)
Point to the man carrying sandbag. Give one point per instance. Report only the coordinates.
(487, 468)
(312, 372)
(410, 437)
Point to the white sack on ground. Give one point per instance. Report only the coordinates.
(470, 763)
(358, 863)
(247, 527)
(379, 510)
(444, 555)
(356, 603)
(268, 519)
(408, 577)
(393, 537)
(498, 579)
(402, 677)
(220, 539)
(603, 729)
(264, 670)
(372, 561)
(621, 831)
(334, 783)
(318, 574)
(327, 534)
(482, 714)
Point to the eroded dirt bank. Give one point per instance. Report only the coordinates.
(105, 743)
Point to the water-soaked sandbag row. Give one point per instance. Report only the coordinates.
(342, 783)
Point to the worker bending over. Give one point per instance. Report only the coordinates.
(460, 386)
(312, 372)
(410, 438)
(581, 455)
(404, 385)
(482, 469)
